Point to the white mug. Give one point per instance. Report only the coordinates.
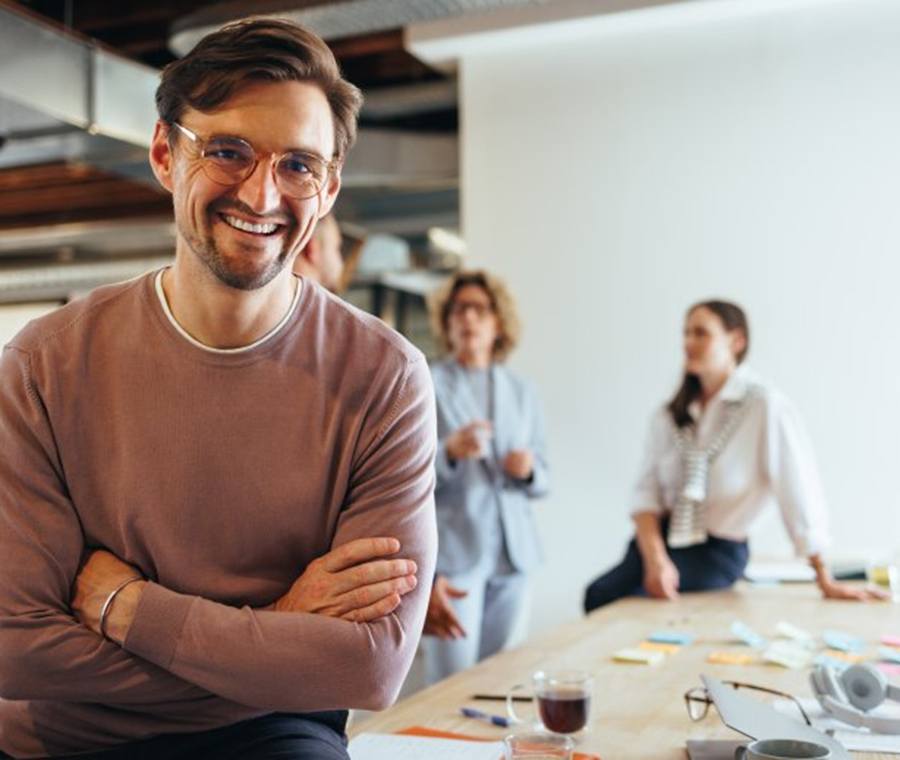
(782, 749)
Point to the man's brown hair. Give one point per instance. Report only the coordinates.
(258, 49)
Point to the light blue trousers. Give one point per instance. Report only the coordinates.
(488, 614)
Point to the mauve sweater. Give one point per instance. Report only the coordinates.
(220, 476)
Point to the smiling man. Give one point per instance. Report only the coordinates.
(216, 482)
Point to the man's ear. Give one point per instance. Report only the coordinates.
(330, 194)
(161, 156)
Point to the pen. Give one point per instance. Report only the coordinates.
(501, 698)
(496, 720)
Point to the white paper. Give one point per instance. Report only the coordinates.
(396, 747)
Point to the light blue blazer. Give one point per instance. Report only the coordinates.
(472, 493)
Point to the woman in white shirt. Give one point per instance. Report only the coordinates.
(717, 454)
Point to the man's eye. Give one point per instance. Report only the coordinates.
(225, 154)
(296, 165)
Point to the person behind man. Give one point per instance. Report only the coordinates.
(726, 446)
(320, 259)
(216, 482)
(490, 464)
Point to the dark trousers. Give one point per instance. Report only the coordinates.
(715, 564)
(279, 736)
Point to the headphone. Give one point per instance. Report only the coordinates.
(850, 694)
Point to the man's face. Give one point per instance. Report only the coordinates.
(245, 234)
(331, 263)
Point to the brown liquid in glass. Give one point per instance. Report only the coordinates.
(564, 711)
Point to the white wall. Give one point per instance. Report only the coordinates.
(615, 179)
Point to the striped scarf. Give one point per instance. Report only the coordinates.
(687, 523)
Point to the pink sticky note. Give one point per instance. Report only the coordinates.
(891, 641)
(889, 668)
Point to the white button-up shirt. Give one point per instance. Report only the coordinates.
(767, 458)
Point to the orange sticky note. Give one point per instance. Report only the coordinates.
(654, 646)
(850, 657)
(730, 658)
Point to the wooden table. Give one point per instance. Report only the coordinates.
(638, 711)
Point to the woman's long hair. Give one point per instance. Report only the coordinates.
(733, 318)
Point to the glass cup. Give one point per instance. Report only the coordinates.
(885, 574)
(563, 700)
(538, 746)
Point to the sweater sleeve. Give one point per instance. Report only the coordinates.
(45, 653)
(299, 661)
(791, 469)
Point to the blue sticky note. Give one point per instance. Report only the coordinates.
(841, 641)
(831, 662)
(889, 654)
(671, 637)
(746, 634)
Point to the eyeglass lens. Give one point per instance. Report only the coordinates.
(228, 160)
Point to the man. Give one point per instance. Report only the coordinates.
(320, 260)
(216, 483)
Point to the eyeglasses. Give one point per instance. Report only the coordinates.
(231, 160)
(697, 700)
(459, 308)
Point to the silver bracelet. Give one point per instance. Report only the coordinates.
(107, 605)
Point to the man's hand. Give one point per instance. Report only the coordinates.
(441, 620)
(831, 589)
(352, 582)
(101, 573)
(661, 578)
(470, 441)
(519, 464)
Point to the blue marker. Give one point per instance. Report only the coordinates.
(496, 720)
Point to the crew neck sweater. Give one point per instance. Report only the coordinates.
(220, 476)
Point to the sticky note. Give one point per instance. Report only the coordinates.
(791, 631)
(730, 658)
(746, 634)
(842, 641)
(891, 641)
(671, 637)
(849, 657)
(643, 656)
(889, 668)
(787, 654)
(889, 654)
(653, 646)
(831, 662)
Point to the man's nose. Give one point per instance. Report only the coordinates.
(259, 190)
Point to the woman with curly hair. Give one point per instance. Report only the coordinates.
(490, 464)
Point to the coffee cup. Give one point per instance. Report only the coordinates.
(782, 749)
(563, 700)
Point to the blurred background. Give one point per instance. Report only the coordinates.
(613, 160)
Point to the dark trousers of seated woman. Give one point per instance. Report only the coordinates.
(278, 736)
(715, 564)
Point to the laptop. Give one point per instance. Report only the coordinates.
(761, 721)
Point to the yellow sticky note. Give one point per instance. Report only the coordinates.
(643, 656)
(730, 658)
(836, 654)
(653, 646)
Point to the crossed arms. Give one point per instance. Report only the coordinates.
(338, 637)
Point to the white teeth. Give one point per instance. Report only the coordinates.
(240, 224)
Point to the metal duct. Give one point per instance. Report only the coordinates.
(58, 282)
(332, 20)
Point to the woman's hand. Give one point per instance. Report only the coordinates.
(470, 441)
(441, 619)
(831, 589)
(519, 464)
(661, 578)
